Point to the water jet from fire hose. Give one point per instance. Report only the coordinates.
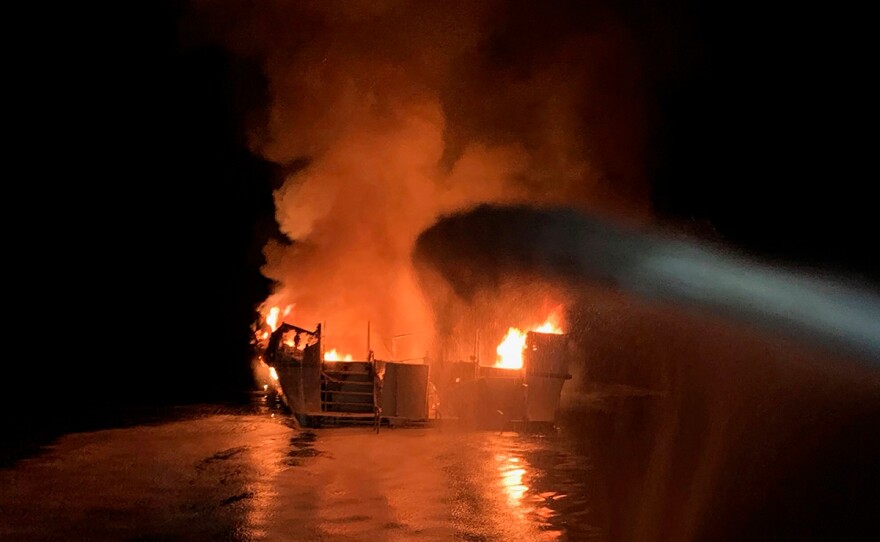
(568, 245)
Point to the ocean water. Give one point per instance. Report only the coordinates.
(625, 464)
(249, 473)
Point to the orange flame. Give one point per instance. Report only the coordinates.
(510, 350)
(275, 316)
(272, 318)
(273, 373)
(333, 355)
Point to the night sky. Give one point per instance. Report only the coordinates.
(151, 213)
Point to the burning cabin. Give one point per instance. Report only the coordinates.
(500, 397)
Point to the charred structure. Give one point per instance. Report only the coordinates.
(509, 398)
(319, 391)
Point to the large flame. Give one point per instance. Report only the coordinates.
(333, 355)
(510, 350)
(274, 316)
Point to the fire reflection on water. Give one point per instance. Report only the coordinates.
(520, 482)
(512, 480)
(249, 475)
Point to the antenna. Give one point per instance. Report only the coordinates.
(477, 347)
(477, 354)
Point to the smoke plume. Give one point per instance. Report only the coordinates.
(405, 111)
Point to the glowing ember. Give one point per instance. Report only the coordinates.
(333, 355)
(510, 350)
(273, 373)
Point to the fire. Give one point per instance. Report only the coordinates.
(333, 355)
(275, 316)
(291, 342)
(548, 327)
(510, 350)
(273, 373)
(272, 318)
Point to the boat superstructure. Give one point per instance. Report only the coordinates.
(508, 398)
(322, 392)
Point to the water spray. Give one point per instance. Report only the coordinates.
(658, 267)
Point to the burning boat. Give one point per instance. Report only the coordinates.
(521, 391)
(522, 394)
(320, 389)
